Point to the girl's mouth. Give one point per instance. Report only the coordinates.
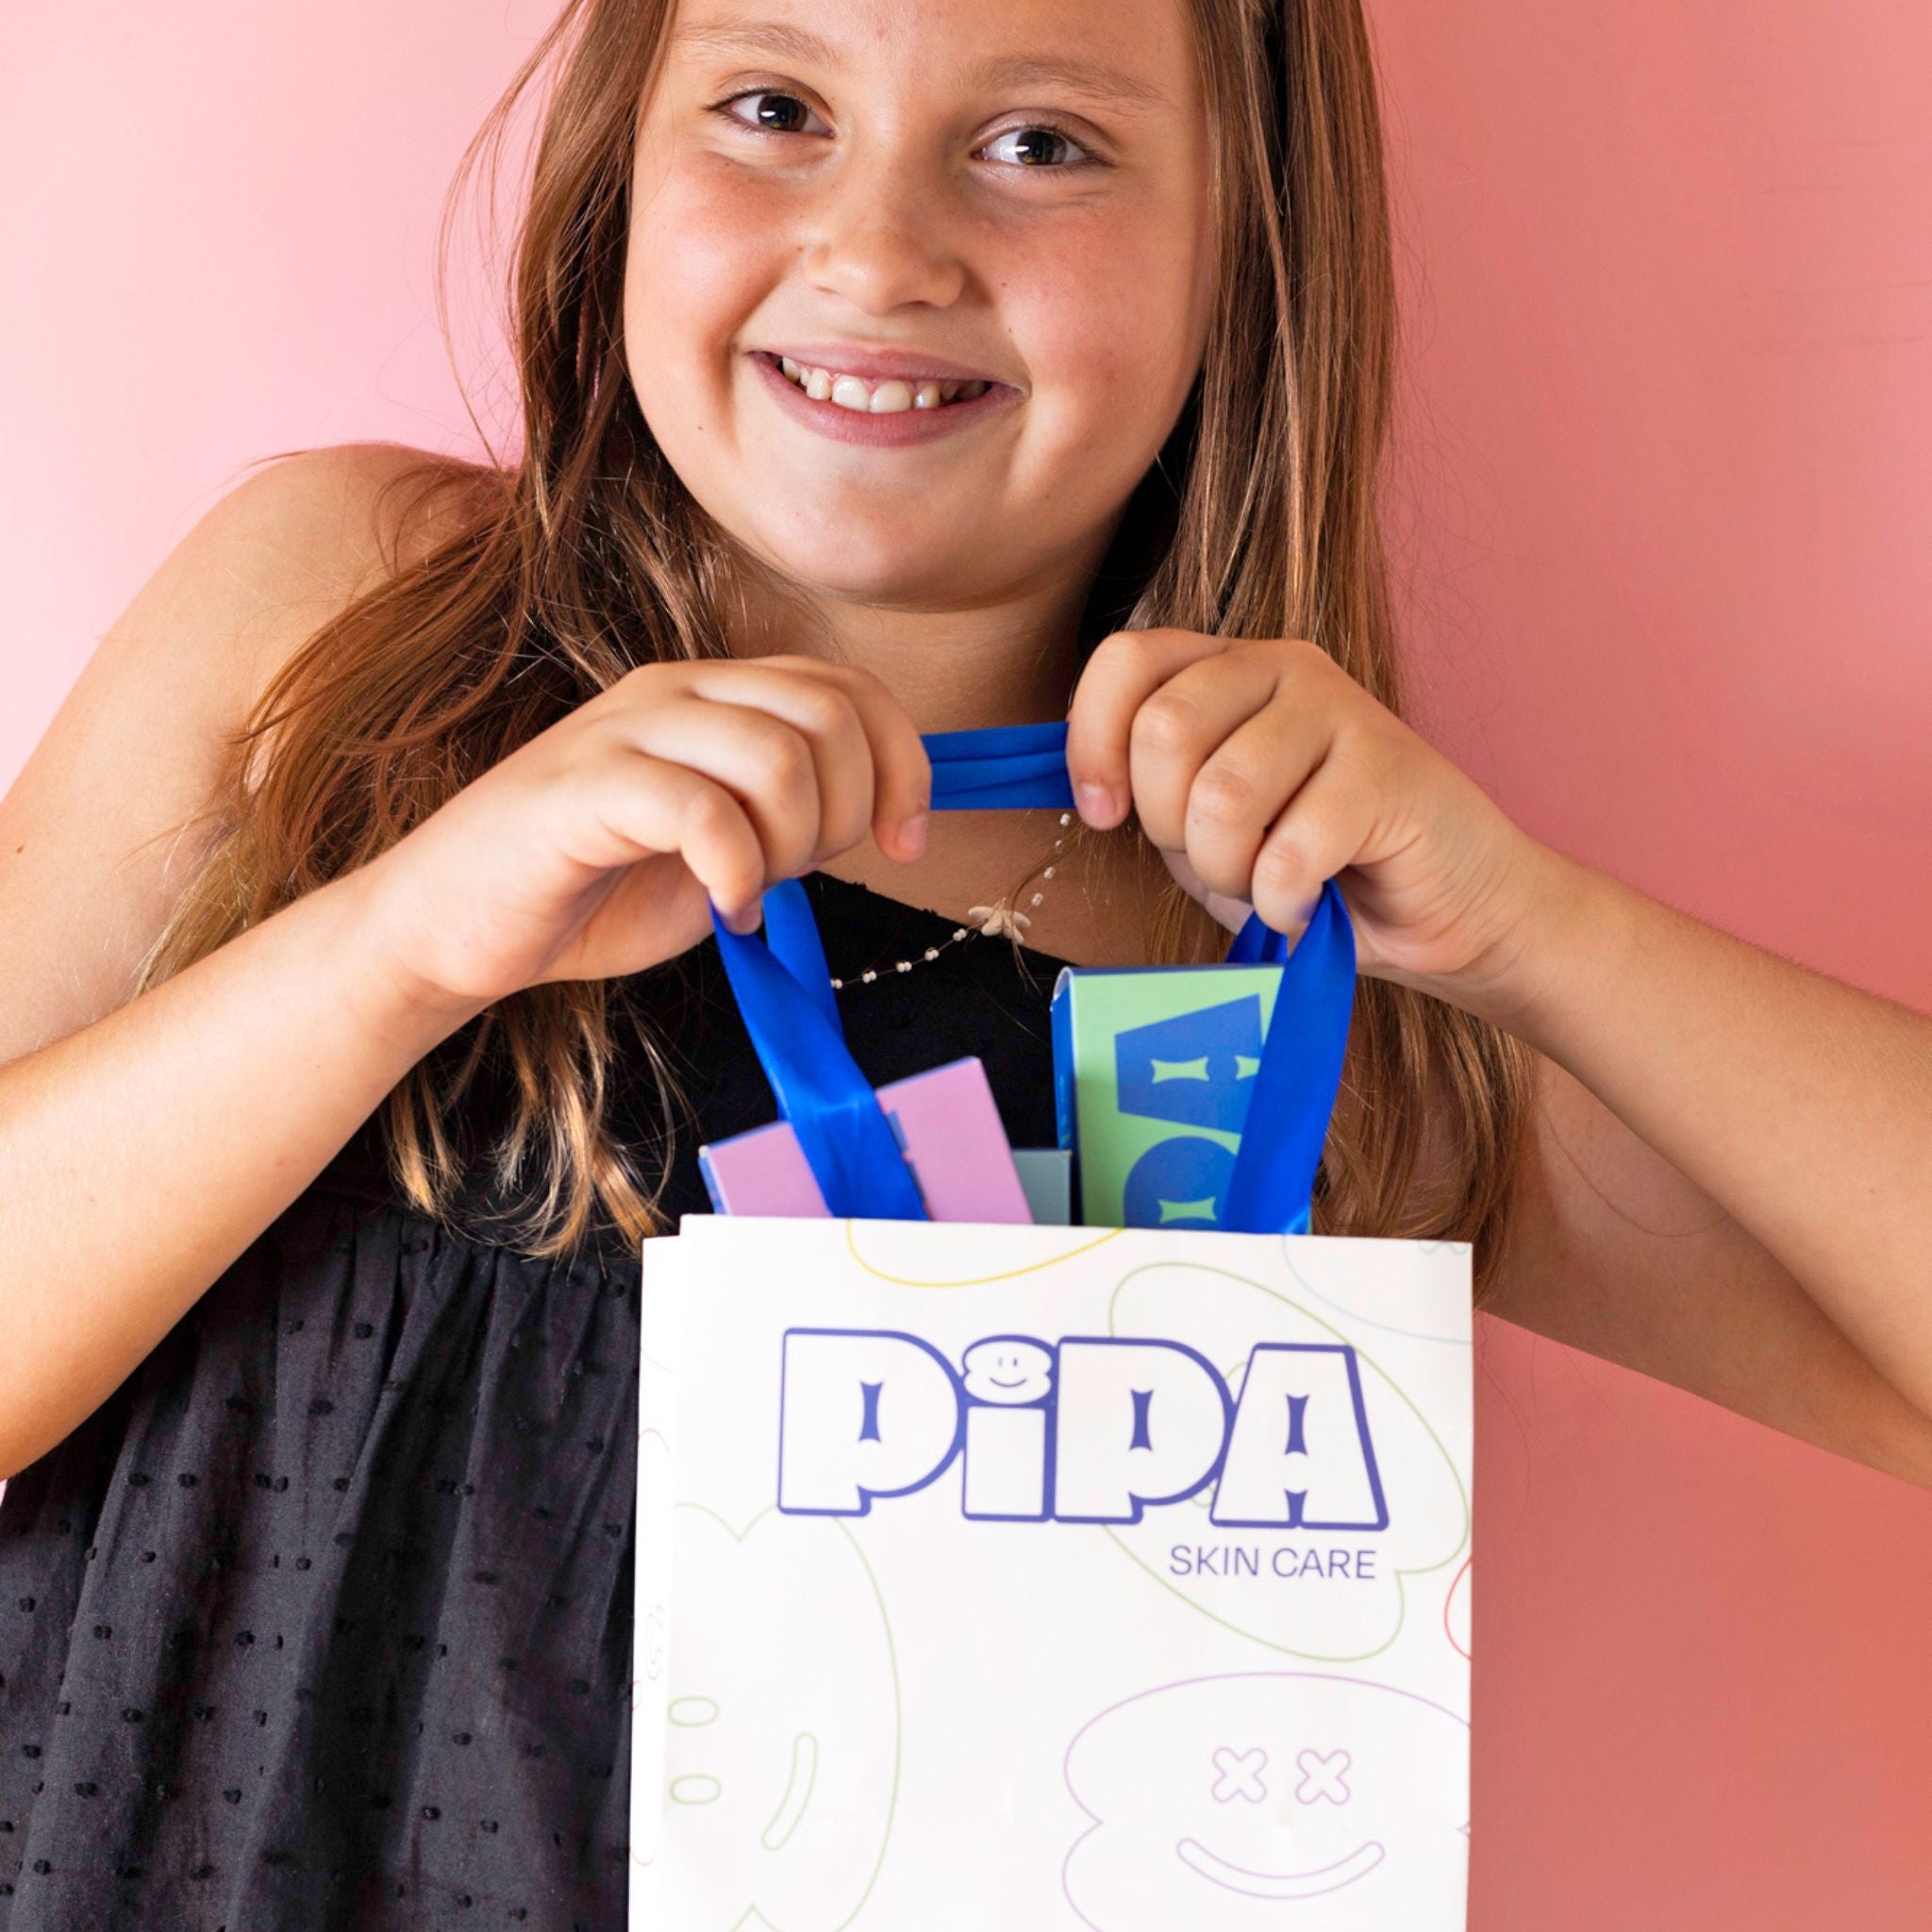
(882, 411)
(884, 396)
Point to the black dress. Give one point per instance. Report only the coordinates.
(324, 1619)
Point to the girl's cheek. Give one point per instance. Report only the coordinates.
(1108, 322)
(704, 249)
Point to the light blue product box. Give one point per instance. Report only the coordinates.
(1153, 1067)
(1047, 1176)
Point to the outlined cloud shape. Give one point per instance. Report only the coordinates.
(1458, 1621)
(1270, 1800)
(1285, 1588)
(781, 1765)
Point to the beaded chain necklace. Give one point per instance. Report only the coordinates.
(997, 918)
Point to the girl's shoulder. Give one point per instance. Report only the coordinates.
(304, 534)
(114, 809)
(301, 538)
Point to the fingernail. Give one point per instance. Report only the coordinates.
(1096, 802)
(913, 834)
(749, 917)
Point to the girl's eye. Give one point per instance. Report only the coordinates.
(1039, 145)
(774, 112)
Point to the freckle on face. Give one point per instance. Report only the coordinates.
(1088, 291)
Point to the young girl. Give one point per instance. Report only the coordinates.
(888, 367)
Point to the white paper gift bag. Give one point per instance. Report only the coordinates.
(965, 1595)
(1035, 1577)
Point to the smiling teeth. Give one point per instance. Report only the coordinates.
(890, 397)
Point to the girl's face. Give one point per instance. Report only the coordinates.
(912, 194)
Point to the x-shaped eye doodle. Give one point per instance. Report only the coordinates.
(1238, 1774)
(1323, 1777)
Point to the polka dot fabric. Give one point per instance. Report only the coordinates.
(323, 1619)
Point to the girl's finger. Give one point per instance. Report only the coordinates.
(825, 715)
(634, 807)
(1326, 823)
(1246, 784)
(1180, 728)
(766, 764)
(720, 847)
(901, 770)
(1121, 673)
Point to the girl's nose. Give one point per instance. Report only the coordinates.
(881, 248)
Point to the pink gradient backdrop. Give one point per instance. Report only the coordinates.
(1669, 287)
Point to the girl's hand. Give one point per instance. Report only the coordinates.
(593, 849)
(1266, 769)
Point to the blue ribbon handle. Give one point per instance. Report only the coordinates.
(1011, 766)
(784, 998)
(1272, 1188)
(843, 1133)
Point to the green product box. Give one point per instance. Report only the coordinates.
(1153, 1067)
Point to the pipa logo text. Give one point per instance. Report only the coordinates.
(1088, 1429)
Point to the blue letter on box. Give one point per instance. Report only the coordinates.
(1195, 1069)
(1180, 1182)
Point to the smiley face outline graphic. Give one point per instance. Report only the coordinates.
(779, 1826)
(1237, 1781)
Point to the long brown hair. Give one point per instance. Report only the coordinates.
(555, 574)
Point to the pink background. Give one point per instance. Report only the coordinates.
(1670, 277)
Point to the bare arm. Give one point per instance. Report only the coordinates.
(1730, 1182)
(142, 1146)
(143, 1154)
